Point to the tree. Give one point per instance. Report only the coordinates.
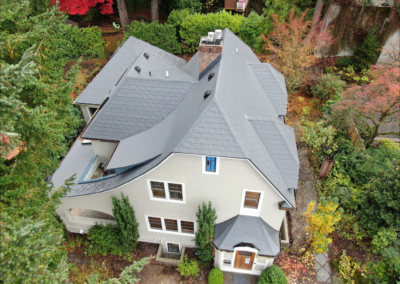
(374, 104)
(81, 7)
(293, 45)
(123, 13)
(126, 221)
(206, 218)
(320, 223)
(318, 136)
(154, 10)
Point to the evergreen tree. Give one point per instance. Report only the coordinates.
(126, 221)
(206, 218)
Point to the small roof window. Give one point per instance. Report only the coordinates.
(138, 69)
(207, 94)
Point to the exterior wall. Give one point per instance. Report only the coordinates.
(224, 190)
(104, 149)
(86, 113)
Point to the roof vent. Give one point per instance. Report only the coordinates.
(166, 74)
(207, 94)
(146, 55)
(138, 69)
(211, 76)
(210, 37)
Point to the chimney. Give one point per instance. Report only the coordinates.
(209, 48)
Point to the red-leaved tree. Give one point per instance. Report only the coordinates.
(377, 103)
(81, 7)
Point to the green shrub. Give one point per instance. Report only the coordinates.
(367, 53)
(328, 70)
(383, 239)
(389, 144)
(162, 36)
(82, 42)
(349, 270)
(126, 221)
(344, 62)
(188, 267)
(387, 270)
(206, 217)
(330, 86)
(272, 275)
(252, 28)
(216, 276)
(104, 240)
(194, 6)
(176, 18)
(198, 25)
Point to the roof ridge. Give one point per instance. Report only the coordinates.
(276, 79)
(287, 144)
(230, 127)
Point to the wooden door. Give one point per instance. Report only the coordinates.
(244, 260)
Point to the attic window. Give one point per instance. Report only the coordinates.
(211, 76)
(207, 94)
(138, 69)
(146, 55)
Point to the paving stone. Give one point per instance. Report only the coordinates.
(317, 266)
(78, 260)
(322, 258)
(86, 261)
(323, 275)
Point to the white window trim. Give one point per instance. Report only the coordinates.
(203, 165)
(166, 245)
(251, 211)
(164, 230)
(167, 197)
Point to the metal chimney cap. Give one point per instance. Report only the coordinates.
(218, 34)
(211, 36)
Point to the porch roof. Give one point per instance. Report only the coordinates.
(247, 230)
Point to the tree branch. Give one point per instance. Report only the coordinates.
(389, 133)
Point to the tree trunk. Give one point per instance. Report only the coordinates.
(123, 13)
(154, 10)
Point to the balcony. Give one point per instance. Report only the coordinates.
(238, 5)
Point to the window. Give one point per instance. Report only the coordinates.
(171, 225)
(174, 248)
(155, 223)
(158, 189)
(211, 164)
(175, 191)
(166, 191)
(187, 227)
(251, 199)
(92, 110)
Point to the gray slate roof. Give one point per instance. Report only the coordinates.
(250, 230)
(104, 82)
(240, 119)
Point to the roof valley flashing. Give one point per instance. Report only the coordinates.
(153, 116)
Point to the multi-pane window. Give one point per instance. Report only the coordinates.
(166, 191)
(252, 199)
(155, 223)
(187, 227)
(211, 164)
(158, 189)
(171, 225)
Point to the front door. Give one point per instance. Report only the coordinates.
(244, 260)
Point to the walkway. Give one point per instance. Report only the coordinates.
(306, 192)
(238, 278)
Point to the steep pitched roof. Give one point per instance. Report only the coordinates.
(104, 82)
(239, 119)
(250, 230)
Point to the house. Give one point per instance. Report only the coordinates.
(171, 135)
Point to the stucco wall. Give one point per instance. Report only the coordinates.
(104, 149)
(224, 191)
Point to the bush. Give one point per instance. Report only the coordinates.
(330, 86)
(387, 270)
(350, 270)
(272, 275)
(176, 18)
(206, 220)
(104, 240)
(344, 62)
(389, 144)
(194, 6)
(162, 36)
(367, 53)
(252, 28)
(188, 267)
(198, 25)
(383, 239)
(82, 42)
(216, 276)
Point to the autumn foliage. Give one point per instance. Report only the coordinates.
(81, 7)
(321, 223)
(293, 46)
(376, 103)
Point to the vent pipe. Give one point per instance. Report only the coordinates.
(218, 36)
(166, 74)
(210, 37)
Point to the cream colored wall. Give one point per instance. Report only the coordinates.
(223, 190)
(104, 149)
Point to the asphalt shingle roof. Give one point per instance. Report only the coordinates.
(249, 230)
(152, 117)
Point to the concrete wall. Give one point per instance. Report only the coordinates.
(224, 190)
(104, 149)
